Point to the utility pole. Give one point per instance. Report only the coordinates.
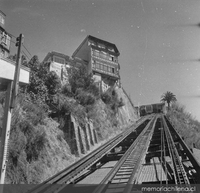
(139, 109)
(19, 42)
(10, 100)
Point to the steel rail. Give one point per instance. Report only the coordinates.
(170, 151)
(69, 173)
(180, 174)
(189, 154)
(165, 163)
(161, 149)
(129, 160)
(163, 153)
(144, 149)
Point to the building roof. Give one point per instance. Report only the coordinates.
(107, 44)
(1, 12)
(53, 53)
(153, 104)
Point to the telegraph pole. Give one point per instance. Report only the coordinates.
(19, 42)
(10, 100)
(139, 109)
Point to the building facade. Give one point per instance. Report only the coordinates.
(5, 38)
(101, 58)
(58, 63)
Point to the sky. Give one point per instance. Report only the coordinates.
(158, 40)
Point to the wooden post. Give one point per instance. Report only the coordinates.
(5, 134)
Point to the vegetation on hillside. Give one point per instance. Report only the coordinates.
(38, 119)
(187, 126)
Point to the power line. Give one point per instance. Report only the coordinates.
(14, 42)
(27, 50)
(26, 55)
(23, 46)
(12, 35)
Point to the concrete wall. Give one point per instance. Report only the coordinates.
(80, 139)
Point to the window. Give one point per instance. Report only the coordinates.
(59, 60)
(113, 70)
(92, 43)
(97, 66)
(5, 39)
(96, 53)
(93, 63)
(101, 46)
(2, 53)
(111, 49)
(103, 55)
(8, 41)
(2, 20)
(105, 68)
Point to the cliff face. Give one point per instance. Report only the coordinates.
(127, 113)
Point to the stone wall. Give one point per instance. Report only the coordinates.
(82, 138)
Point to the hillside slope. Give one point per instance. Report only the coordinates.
(40, 146)
(186, 125)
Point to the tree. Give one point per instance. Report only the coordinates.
(37, 88)
(23, 59)
(53, 83)
(168, 97)
(79, 79)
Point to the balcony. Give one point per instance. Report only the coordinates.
(104, 69)
(106, 73)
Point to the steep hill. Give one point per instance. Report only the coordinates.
(41, 146)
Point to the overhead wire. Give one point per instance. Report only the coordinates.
(23, 47)
(25, 55)
(26, 49)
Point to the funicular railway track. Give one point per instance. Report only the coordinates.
(122, 175)
(132, 151)
(180, 176)
(88, 163)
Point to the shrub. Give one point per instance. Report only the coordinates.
(121, 102)
(110, 98)
(60, 105)
(53, 83)
(66, 90)
(80, 79)
(106, 97)
(35, 145)
(35, 113)
(2, 97)
(93, 89)
(186, 126)
(85, 98)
